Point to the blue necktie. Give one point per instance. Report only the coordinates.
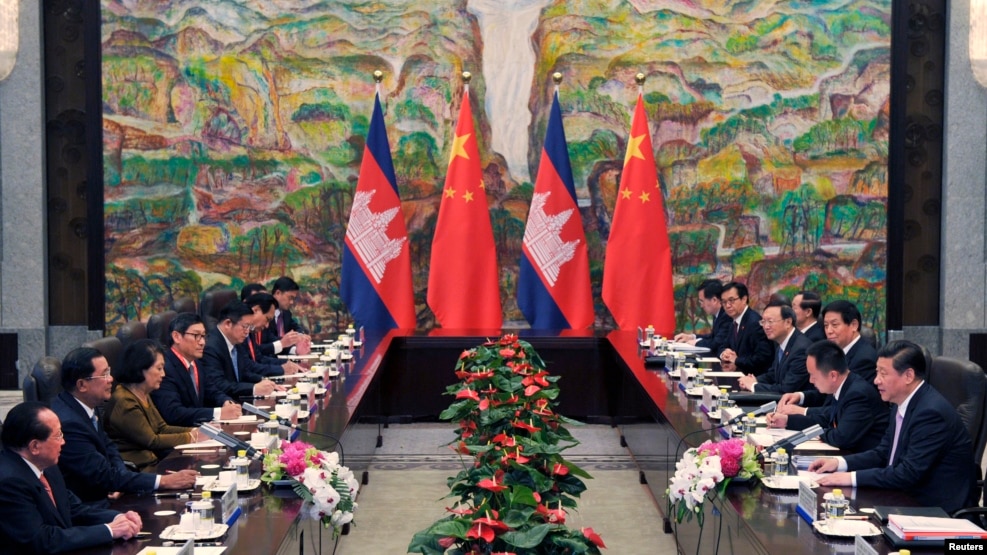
(780, 353)
(236, 369)
(95, 420)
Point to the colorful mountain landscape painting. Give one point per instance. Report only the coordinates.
(233, 132)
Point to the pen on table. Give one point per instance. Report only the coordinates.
(856, 517)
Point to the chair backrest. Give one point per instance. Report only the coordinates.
(213, 302)
(130, 332)
(44, 382)
(157, 326)
(109, 347)
(868, 334)
(183, 305)
(964, 385)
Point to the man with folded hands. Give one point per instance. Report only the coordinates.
(854, 417)
(90, 461)
(187, 395)
(38, 514)
(787, 372)
(225, 360)
(719, 337)
(925, 452)
(263, 306)
(748, 349)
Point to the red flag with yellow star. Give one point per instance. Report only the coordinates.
(463, 285)
(637, 272)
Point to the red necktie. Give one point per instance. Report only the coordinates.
(51, 495)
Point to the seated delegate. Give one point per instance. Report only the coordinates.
(853, 416)
(38, 514)
(926, 452)
(132, 420)
(90, 461)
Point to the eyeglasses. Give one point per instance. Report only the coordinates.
(104, 376)
(196, 336)
(730, 301)
(59, 436)
(766, 322)
(245, 327)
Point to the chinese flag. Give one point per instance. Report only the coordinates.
(553, 288)
(463, 288)
(376, 274)
(637, 272)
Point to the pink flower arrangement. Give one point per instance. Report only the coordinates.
(702, 469)
(328, 487)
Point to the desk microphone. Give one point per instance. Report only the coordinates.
(791, 442)
(230, 441)
(285, 422)
(763, 409)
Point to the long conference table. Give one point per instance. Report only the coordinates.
(400, 376)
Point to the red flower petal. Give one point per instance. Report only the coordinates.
(593, 537)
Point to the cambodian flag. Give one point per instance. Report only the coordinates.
(554, 287)
(376, 274)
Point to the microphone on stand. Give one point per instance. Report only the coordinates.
(763, 409)
(230, 441)
(791, 442)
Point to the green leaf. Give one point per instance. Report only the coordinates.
(527, 539)
(426, 544)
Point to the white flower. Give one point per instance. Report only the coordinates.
(340, 518)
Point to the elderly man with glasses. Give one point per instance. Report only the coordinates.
(187, 396)
(787, 372)
(228, 363)
(749, 350)
(90, 461)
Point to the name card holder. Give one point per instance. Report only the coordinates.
(861, 547)
(187, 549)
(230, 507)
(808, 504)
(709, 393)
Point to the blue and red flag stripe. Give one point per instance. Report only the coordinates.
(376, 267)
(554, 286)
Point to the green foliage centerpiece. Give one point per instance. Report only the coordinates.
(514, 494)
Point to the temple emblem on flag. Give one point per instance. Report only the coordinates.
(367, 232)
(542, 238)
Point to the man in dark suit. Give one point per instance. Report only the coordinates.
(926, 452)
(90, 462)
(719, 338)
(787, 372)
(854, 416)
(807, 305)
(263, 306)
(187, 397)
(749, 351)
(285, 332)
(227, 362)
(841, 320)
(38, 514)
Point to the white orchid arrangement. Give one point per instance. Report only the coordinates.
(328, 487)
(702, 469)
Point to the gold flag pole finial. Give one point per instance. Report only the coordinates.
(557, 78)
(639, 79)
(378, 76)
(467, 76)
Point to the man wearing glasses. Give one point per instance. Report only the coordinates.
(787, 372)
(187, 397)
(90, 461)
(749, 350)
(38, 514)
(228, 363)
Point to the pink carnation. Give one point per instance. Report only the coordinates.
(729, 466)
(732, 449)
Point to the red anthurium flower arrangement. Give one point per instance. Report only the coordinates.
(513, 493)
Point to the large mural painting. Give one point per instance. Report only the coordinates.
(233, 133)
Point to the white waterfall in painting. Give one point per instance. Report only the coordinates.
(506, 27)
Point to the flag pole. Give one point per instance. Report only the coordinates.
(378, 77)
(639, 79)
(557, 79)
(467, 76)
